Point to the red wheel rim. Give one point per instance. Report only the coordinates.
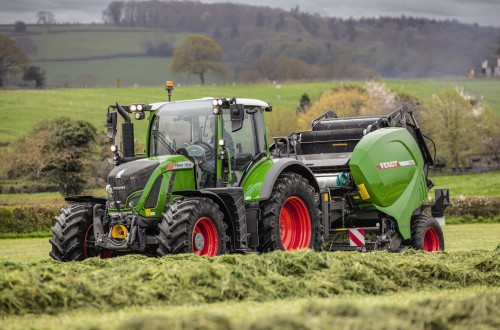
(431, 240)
(205, 240)
(89, 245)
(295, 224)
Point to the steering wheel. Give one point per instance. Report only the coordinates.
(201, 151)
(206, 146)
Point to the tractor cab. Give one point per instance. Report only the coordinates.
(222, 137)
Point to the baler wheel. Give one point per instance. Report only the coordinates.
(192, 225)
(291, 217)
(73, 235)
(426, 234)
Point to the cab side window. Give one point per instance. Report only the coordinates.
(244, 144)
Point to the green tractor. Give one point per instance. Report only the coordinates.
(209, 183)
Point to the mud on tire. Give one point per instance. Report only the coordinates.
(192, 225)
(291, 217)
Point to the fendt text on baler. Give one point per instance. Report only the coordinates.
(209, 183)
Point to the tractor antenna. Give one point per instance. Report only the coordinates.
(169, 86)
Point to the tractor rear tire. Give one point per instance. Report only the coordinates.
(426, 234)
(192, 225)
(73, 235)
(291, 219)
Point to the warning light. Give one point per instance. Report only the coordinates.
(169, 86)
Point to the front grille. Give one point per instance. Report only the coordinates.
(130, 177)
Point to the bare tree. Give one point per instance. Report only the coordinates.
(46, 18)
(11, 58)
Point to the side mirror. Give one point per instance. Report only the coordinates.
(111, 122)
(237, 114)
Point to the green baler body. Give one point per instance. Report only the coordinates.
(387, 168)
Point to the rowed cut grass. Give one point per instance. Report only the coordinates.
(106, 284)
(464, 308)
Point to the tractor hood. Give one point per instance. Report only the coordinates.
(130, 177)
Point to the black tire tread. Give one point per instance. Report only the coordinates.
(68, 232)
(418, 227)
(176, 227)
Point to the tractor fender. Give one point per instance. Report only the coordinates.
(203, 193)
(86, 199)
(290, 166)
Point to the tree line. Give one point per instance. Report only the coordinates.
(392, 47)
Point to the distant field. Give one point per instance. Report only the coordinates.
(487, 90)
(21, 109)
(481, 184)
(91, 104)
(132, 71)
(80, 41)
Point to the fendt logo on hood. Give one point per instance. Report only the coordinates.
(395, 163)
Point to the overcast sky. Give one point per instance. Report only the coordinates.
(483, 12)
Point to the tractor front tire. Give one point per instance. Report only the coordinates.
(291, 217)
(73, 235)
(426, 234)
(192, 225)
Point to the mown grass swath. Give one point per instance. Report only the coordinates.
(426, 313)
(50, 287)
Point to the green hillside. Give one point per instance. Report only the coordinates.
(134, 71)
(98, 55)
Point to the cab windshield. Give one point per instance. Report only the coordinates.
(179, 125)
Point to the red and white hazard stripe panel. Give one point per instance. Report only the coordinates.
(356, 236)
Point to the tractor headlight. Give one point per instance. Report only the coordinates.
(133, 108)
(139, 107)
(217, 103)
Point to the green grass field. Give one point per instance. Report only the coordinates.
(21, 109)
(481, 184)
(457, 238)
